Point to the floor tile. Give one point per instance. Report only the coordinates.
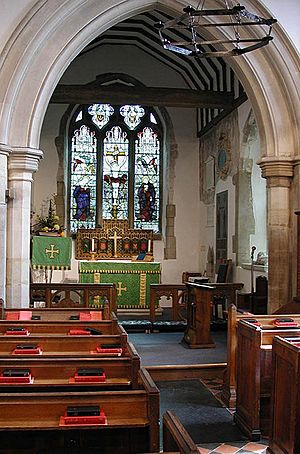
(204, 450)
(209, 446)
(226, 449)
(254, 447)
(243, 451)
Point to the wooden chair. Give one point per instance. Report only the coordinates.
(219, 300)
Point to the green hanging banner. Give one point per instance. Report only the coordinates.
(51, 253)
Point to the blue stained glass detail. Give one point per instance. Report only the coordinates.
(132, 115)
(82, 197)
(101, 114)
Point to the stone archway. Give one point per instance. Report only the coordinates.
(30, 71)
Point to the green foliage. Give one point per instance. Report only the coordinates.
(49, 223)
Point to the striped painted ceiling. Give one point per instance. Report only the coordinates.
(202, 74)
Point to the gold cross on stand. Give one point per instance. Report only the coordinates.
(52, 251)
(115, 237)
(121, 289)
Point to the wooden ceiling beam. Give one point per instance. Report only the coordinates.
(147, 96)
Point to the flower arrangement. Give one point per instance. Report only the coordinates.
(50, 223)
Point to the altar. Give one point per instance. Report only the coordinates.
(132, 279)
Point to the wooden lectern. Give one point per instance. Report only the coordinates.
(199, 309)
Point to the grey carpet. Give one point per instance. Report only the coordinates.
(159, 349)
(201, 414)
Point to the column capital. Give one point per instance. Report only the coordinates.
(4, 149)
(23, 162)
(278, 171)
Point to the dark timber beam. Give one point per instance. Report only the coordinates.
(147, 96)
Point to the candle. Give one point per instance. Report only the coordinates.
(93, 245)
(149, 245)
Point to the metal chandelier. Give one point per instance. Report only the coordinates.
(182, 35)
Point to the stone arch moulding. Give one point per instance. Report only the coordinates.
(30, 70)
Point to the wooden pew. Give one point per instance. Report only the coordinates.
(55, 314)
(228, 395)
(285, 399)
(39, 328)
(55, 373)
(254, 372)
(32, 421)
(74, 295)
(55, 345)
(175, 436)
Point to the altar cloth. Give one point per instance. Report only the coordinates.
(132, 279)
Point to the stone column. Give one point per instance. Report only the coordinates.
(170, 249)
(279, 175)
(4, 153)
(21, 165)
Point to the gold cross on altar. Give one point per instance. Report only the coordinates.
(115, 237)
(120, 289)
(52, 251)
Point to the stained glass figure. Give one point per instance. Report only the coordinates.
(115, 174)
(132, 115)
(83, 179)
(82, 197)
(101, 114)
(147, 178)
(146, 195)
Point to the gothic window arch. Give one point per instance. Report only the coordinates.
(115, 166)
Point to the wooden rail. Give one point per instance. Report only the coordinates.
(74, 295)
(170, 291)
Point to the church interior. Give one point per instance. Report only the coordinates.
(150, 227)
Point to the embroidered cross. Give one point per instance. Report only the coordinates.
(120, 289)
(52, 251)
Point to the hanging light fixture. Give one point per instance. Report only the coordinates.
(234, 18)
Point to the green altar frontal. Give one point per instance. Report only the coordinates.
(132, 279)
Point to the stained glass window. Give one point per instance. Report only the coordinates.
(115, 166)
(83, 178)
